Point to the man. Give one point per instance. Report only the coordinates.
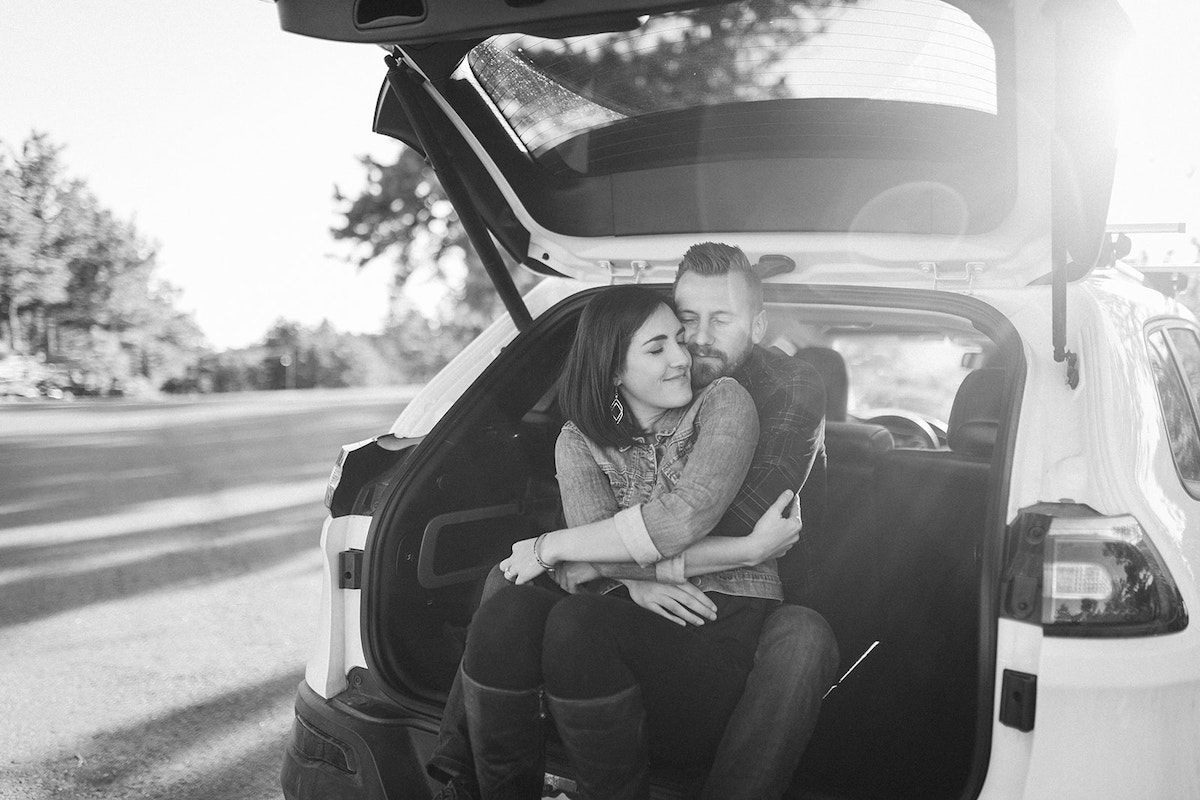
(719, 300)
(718, 297)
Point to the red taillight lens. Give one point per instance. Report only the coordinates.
(1082, 574)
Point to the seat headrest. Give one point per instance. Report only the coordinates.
(975, 417)
(856, 442)
(832, 367)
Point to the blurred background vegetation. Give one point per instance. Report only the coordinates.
(83, 313)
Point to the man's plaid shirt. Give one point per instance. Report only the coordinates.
(790, 397)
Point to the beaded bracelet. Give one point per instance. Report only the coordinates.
(537, 553)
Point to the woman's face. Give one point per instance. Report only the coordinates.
(656, 375)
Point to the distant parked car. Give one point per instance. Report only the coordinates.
(1016, 523)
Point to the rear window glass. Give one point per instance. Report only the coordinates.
(549, 91)
(1176, 407)
(914, 374)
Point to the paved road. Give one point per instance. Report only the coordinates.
(158, 585)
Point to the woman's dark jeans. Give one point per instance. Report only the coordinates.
(797, 659)
(589, 646)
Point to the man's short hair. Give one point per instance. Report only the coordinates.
(709, 259)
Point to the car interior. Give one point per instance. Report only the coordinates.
(897, 533)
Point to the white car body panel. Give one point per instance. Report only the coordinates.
(1116, 717)
(338, 646)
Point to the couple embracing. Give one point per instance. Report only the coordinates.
(650, 630)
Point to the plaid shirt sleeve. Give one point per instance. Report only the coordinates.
(791, 410)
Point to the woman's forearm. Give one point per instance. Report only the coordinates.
(600, 543)
(596, 541)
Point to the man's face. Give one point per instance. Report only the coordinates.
(720, 323)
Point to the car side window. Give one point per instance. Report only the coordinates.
(1173, 395)
(1187, 350)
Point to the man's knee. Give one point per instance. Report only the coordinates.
(798, 641)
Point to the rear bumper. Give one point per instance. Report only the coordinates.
(335, 752)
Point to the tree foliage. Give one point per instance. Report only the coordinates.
(294, 356)
(403, 214)
(77, 284)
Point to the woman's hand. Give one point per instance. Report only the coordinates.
(774, 534)
(679, 602)
(522, 566)
(569, 574)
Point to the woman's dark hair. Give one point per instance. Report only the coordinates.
(585, 388)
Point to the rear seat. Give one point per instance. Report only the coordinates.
(911, 581)
(837, 495)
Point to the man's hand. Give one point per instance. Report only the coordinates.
(569, 574)
(774, 534)
(682, 603)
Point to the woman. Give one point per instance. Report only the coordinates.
(624, 681)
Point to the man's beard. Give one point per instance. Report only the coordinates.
(717, 365)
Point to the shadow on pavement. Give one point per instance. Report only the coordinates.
(153, 758)
(177, 556)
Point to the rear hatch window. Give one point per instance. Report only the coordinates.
(879, 116)
(551, 92)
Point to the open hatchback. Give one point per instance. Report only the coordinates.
(1009, 506)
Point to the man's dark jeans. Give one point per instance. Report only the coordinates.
(795, 663)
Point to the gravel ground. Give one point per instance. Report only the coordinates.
(159, 579)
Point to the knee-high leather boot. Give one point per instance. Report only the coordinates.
(507, 740)
(606, 740)
(451, 758)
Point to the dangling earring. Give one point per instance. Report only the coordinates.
(616, 409)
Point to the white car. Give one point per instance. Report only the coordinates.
(1011, 521)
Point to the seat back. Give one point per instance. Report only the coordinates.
(914, 586)
(832, 367)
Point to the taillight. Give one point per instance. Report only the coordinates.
(361, 473)
(335, 477)
(1082, 574)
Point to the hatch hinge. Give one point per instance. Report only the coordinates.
(350, 565)
(954, 276)
(618, 273)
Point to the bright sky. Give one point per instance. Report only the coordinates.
(222, 137)
(1158, 169)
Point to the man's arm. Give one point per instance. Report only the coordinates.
(710, 554)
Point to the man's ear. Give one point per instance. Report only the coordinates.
(758, 327)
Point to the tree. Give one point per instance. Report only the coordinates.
(403, 214)
(38, 235)
(78, 285)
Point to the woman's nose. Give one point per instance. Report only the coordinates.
(680, 357)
